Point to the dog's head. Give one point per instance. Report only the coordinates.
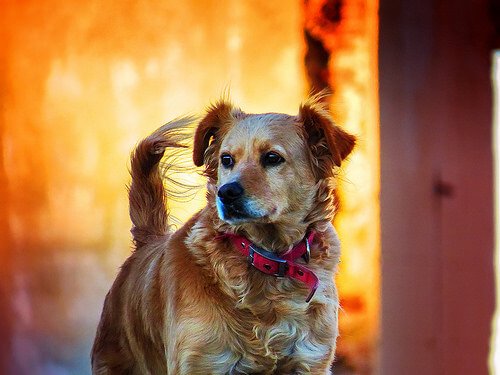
(266, 167)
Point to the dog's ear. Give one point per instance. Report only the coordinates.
(209, 129)
(329, 144)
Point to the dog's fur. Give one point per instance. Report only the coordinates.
(186, 302)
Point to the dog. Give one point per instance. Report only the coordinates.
(246, 285)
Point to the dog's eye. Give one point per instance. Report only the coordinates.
(227, 160)
(272, 158)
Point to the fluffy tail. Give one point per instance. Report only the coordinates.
(147, 196)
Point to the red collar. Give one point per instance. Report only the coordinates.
(279, 265)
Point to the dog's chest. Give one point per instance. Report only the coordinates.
(239, 341)
(280, 338)
(276, 345)
(255, 348)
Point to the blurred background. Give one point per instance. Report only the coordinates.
(82, 82)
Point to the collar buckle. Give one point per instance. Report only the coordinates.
(266, 261)
(307, 255)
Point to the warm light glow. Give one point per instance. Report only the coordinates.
(349, 33)
(494, 360)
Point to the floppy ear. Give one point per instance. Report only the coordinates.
(209, 128)
(329, 144)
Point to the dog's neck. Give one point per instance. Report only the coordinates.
(276, 237)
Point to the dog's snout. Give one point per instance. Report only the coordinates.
(230, 192)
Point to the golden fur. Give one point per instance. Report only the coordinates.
(186, 302)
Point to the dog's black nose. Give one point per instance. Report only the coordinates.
(230, 192)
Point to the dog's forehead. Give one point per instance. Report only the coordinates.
(267, 128)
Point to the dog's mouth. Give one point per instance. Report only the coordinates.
(239, 212)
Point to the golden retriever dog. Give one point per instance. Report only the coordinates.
(246, 286)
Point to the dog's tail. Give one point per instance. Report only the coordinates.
(147, 195)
